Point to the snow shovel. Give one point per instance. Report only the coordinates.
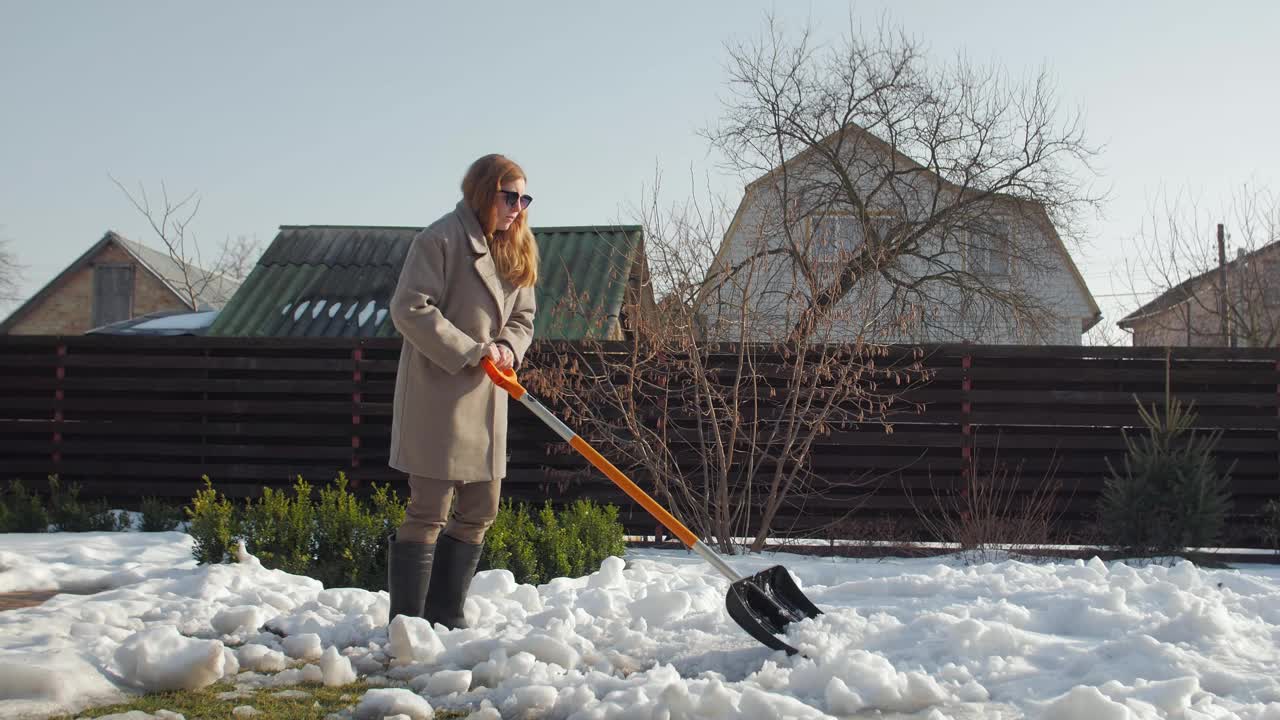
(763, 604)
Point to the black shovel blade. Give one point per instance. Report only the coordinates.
(765, 603)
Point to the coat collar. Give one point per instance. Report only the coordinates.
(484, 260)
(471, 224)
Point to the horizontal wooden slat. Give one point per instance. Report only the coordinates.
(183, 385)
(109, 427)
(1180, 375)
(1203, 400)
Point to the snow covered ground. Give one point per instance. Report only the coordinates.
(649, 638)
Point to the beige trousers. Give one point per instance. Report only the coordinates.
(475, 507)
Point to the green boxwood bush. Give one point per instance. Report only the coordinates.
(351, 536)
(509, 543)
(570, 543)
(213, 525)
(279, 529)
(22, 511)
(331, 535)
(69, 514)
(159, 516)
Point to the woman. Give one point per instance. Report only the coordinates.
(465, 293)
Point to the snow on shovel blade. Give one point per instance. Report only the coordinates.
(765, 603)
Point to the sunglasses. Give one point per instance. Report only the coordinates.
(515, 197)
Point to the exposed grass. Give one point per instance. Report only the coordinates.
(204, 703)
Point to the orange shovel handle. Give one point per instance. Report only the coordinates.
(631, 489)
(506, 379)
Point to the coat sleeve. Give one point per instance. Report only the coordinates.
(416, 313)
(518, 332)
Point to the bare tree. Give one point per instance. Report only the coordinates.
(1203, 297)
(932, 195)
(171, 222)
(725, 433)
(10, 274)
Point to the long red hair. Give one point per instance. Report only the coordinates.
(515, 251)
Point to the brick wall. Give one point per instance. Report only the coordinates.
(68, 310)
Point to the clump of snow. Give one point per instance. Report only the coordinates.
(1086, 702)
(531, 700)
(443, 682)
(306, 646)
(260, 658)
(335, 669)
(378, 703)
(414, 640)
(486, 712)
(161, 659)
(245, 618)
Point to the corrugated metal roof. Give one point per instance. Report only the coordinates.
(336, 281)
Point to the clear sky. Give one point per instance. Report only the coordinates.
(338, 112)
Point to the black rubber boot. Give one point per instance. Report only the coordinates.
(455, 564)
(408, 574)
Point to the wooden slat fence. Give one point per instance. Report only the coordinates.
(128, 417)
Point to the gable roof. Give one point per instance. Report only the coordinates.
(880, 145)
(214, 292)
(158, 264)
(1187, 289)
(337, 281)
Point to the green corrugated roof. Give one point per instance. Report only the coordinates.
(336, 281)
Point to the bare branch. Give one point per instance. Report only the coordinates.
(10, 274)
(1184, 293)
(171, 223)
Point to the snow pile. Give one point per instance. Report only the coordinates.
(649, 638)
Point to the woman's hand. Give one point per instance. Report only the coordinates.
(502, 356)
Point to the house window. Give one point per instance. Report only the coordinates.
(835, 238)
(1270, 281)
(112, 294)
(988, 250)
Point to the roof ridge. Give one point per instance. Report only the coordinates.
(1187, 288)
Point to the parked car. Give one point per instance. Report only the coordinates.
(164, 322)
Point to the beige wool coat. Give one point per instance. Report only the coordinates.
(449, 421)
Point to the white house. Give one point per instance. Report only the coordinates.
(945, 263)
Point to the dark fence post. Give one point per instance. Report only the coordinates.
(207, 374)
(966, 430)
(59, 395)
(357, 397)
